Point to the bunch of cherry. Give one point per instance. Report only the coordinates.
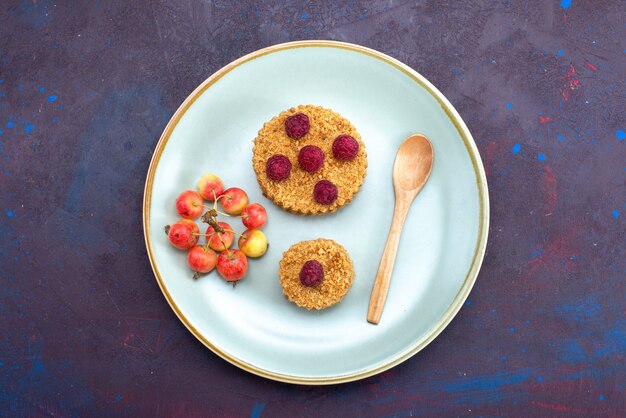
(232, 264)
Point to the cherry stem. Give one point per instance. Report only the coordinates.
(224, 214)
(230, 216)
(215, 200)
(223, 245)
(208, 241)
(213, 207)
(203, 235)
(236, 233)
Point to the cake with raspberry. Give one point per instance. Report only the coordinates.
(316, 274)
(309, 160)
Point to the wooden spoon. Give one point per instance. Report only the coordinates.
(411, 169)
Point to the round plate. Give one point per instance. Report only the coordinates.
(252, 325)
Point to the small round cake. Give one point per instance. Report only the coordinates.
(309, 160)
(316, 274)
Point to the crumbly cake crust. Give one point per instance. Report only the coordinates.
(295, 193)
(338, 273)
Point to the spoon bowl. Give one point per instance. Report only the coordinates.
(413, 163)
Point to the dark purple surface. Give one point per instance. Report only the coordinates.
(86, 89)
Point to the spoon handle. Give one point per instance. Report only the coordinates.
(385, 268)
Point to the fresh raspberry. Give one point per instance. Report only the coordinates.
(297, 125)
(278, 167)
(345, 147)
(312, 273)
(325, 192)
(311, 158)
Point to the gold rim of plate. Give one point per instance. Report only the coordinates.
(483, 216)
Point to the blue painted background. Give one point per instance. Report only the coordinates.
(86, 88)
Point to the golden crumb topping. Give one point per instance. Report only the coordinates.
(295, 193)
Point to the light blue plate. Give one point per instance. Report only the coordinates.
(253, 326)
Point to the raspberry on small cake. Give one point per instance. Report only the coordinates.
(345, 147)
(296, 126)
(311, 158)
(328, 154)
(325, 192)
(316, 274)
(278, 167)
(312, 273)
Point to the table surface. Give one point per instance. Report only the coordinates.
(86, 89)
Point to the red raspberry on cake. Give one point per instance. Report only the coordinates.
(345, 148)
(312, 273)
(297, 125)
(278, 167)
(311, 158)
(325, 192)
